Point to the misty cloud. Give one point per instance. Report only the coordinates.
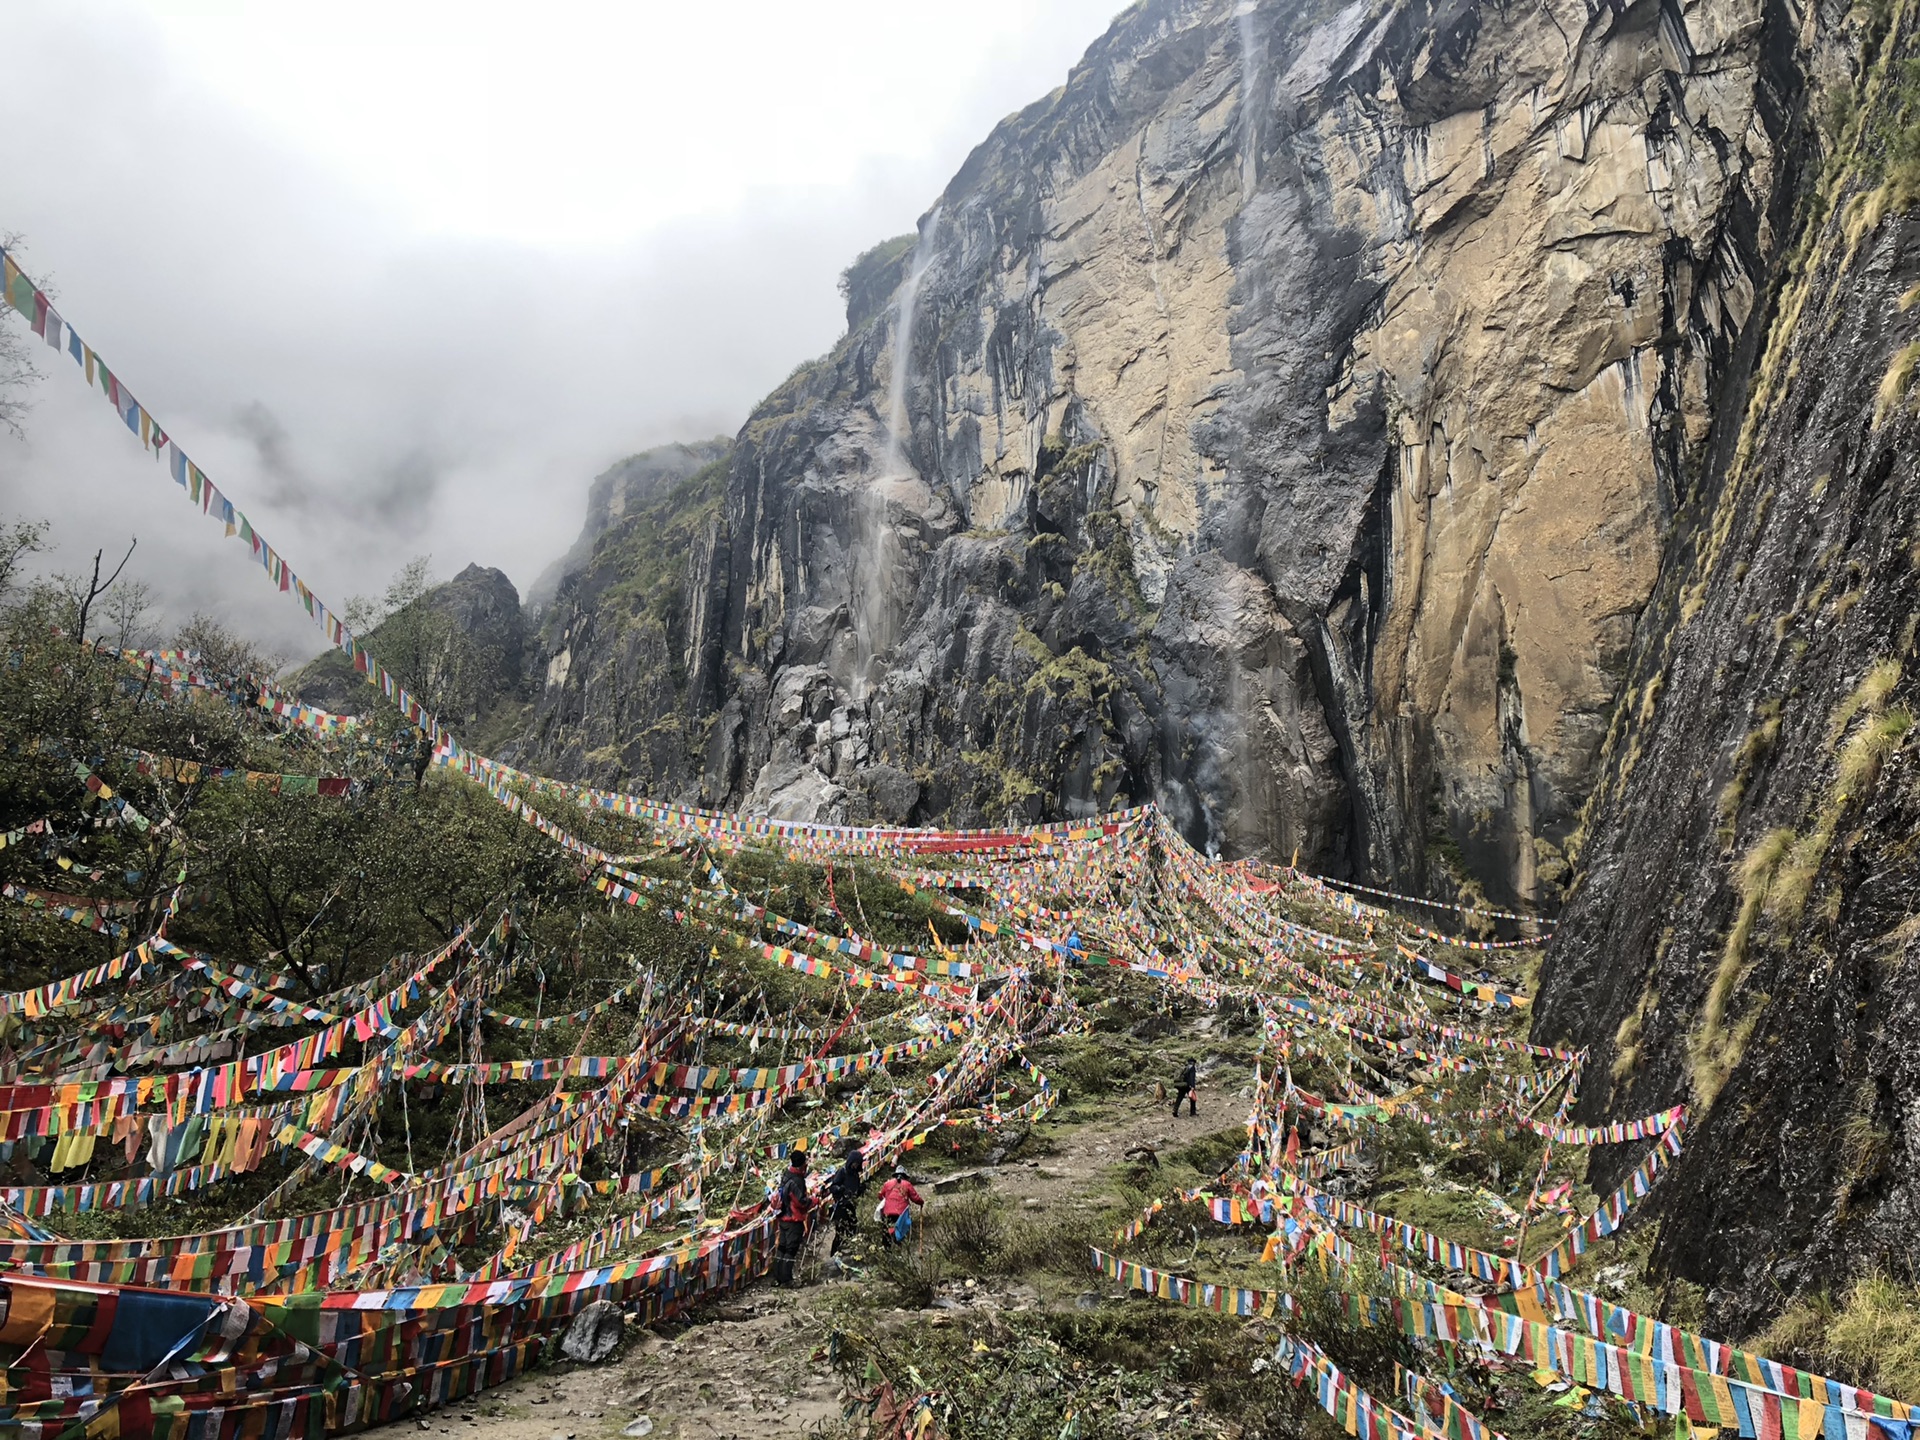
(407, 491)
(273, 449)
(368, 384)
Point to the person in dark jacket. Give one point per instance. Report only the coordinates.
(846, 1186)
(1185, 1088)
(791, 1207)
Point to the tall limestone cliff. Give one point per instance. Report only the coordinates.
(1280, 421)
(617, 492)
(632, 670)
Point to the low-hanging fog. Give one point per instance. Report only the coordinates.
(402, 279)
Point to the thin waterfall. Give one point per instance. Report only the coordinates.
(1249, 105)
(878, 550)
(903, 350)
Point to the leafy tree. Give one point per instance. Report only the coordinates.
(223, 651)
(17, 370)
(409, 583)
(18, 540)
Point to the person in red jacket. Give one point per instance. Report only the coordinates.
(895, 1196)
(791, 1207)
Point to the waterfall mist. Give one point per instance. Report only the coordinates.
(897, 421)
(1249, 108)
(874, 621)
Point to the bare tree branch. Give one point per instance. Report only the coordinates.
(95, 589)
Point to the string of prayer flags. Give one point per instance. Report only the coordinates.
(1399, 898)
(1615, 1133)
(578, 1017)
(328, 1153)
(1222, 1299)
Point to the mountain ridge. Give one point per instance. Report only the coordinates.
(1171, 475)
(1459, 448)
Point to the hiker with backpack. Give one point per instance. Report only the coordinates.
(846, 1185)
(791, 1208)
(1187, 1088)
(896, 1218)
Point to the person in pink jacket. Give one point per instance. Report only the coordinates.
(895, 1198)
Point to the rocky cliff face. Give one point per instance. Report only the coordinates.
(1290, 416)
(465, 645)
(1455, 443)
(631, 671)
(617, 492)
(1744, 933)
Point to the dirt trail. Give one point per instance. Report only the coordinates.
(743, 1368)
(741, 1371)
(1082, 1151)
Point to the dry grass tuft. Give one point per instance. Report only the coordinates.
(1626, 1040)
(1869, 695)
(1896, 382)
(1873, 1339)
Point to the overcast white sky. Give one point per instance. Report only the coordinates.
(403, 276)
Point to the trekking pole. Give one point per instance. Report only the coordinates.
(804, 1263)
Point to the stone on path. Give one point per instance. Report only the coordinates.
(594, 1334)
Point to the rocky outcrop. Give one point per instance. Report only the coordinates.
(465, 648)
(1743, 934)
(1294, 408)
(630, 673)
(617, 491)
